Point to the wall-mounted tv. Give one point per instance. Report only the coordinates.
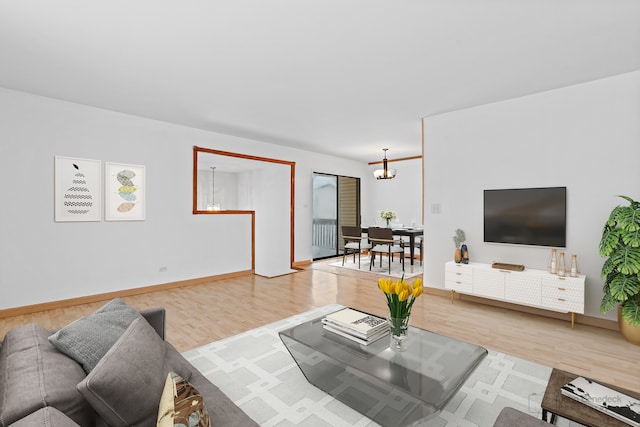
(526, 216)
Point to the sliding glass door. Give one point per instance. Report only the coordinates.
(336, 202)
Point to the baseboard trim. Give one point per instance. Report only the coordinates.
(301, 265)
(52, 305)
(580, 318)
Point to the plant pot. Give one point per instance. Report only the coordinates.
(630, 333)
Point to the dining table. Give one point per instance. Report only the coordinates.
(410, 232)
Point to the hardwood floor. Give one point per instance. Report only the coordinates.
(199, 314)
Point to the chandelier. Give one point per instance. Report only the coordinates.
(212, 205)
(385, 172)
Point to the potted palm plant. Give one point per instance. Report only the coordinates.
(621, 271)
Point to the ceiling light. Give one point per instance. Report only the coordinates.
(385, 172)
(213, 206)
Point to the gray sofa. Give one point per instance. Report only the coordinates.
(41, 385)
(511, 417)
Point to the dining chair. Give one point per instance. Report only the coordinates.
(383, 243)
(353, 242)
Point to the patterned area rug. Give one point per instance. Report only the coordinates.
(256, 371)
(396, 267)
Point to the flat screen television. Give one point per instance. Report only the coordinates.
(526, 216)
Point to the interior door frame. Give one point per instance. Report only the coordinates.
(196, 211)
(358, 181)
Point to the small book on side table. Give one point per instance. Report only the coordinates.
(608, 401)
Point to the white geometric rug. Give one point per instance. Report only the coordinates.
(257, 372)
(396, 267)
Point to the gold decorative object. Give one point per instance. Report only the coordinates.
(457, 256)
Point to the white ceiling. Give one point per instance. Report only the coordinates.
(348, 77)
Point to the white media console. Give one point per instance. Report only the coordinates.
(535, 288)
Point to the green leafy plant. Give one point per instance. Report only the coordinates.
(621, 271)
(459, 237)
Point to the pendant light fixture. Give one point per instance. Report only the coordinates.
(212, 205)
(385, 172)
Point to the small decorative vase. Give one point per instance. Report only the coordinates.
(465, 253)
(553, 262)
(574, 266)
(561, 266)
(398, 330)
(457, 256)
(387, 223)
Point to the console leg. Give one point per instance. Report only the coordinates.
(453, 293)
(573, 319)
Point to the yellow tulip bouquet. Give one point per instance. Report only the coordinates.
(400, 298)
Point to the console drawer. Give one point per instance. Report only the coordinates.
(560, 303)
(458, 285)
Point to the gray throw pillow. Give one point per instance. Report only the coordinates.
(126, 385)
(87, 339)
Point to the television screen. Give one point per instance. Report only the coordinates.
(526, 216)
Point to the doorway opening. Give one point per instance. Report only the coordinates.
(336, 202)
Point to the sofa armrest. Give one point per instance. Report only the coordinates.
(510, 417)
(156, 318)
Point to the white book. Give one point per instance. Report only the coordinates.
(363, 323)
(611, 402)
(353, 331)
(373, 335)
(363, 341)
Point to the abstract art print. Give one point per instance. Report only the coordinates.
(124, 192)
(77, 189)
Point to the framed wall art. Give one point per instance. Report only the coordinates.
(77, 184)
(124, 192)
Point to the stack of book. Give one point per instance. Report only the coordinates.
(360, 327)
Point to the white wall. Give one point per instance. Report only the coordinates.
(402, 194)
(271, 202)
(585, 137)
(41, 260)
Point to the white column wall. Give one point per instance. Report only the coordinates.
(585, 137)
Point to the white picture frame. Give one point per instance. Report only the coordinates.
(125, 190)
(77, 189)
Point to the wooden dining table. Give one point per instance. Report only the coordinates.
(412, 233)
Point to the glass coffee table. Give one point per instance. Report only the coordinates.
(392, 389)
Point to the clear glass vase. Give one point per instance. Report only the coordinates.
(562, 271)
(552, 267)
(574, 266)
(399, 332)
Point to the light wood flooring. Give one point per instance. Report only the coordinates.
(199, 314)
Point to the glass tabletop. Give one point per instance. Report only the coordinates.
(429, 372)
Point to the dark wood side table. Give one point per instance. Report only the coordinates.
(555, 403)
